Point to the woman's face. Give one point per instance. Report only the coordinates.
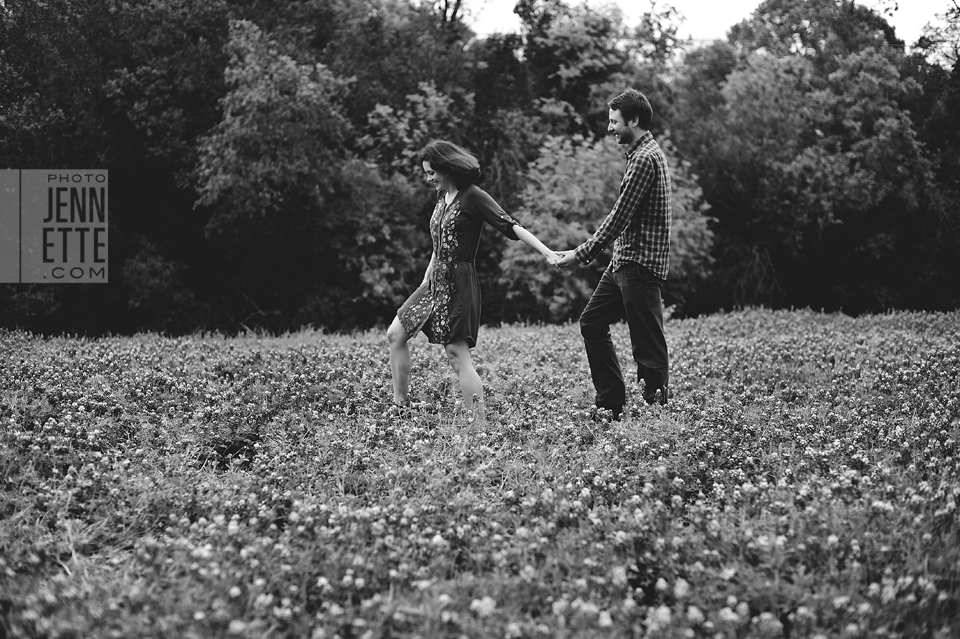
(438, 180)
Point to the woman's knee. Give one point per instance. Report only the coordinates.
(396, 335)
(458, 354)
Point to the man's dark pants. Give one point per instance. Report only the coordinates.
(634, 291)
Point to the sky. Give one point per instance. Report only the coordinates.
(705, 20)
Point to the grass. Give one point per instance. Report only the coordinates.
(802, 482)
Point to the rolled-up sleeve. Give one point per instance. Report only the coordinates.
(478, 202)
(636, 184)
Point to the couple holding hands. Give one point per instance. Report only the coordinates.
(446, 306)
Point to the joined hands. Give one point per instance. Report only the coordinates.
(562, 259)
(566, 259)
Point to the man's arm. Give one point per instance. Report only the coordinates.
(636, 184)
(568, 259)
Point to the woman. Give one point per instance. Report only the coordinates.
(446, 306)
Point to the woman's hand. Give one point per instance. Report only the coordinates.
(567, 259)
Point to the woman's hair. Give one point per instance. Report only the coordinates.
(449, 159)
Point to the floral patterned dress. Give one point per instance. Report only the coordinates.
(447, 307)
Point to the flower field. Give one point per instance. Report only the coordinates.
(803, 481)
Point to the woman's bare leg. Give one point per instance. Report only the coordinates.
(397, 339)
(470, 385)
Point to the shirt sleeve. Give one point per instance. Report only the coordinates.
(637, 182)
(478, 203)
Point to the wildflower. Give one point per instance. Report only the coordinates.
(236, 627)
(604, 620)
(585, 607)
(884, 506)
(728, 615)
(618, 576)
(769, 625)
(694, 616)
(658, 618)
(235, 592)
(681, 589)
(888, 594)
(483, 607)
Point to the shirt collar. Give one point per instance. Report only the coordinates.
(647, 136)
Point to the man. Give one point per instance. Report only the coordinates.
(639, 227)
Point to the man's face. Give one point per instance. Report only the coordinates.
(624, 133)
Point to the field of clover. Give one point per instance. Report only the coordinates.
(802, 482)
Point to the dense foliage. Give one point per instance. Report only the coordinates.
(802, 482)
(262, 154)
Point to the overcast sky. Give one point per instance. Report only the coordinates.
(705, 19)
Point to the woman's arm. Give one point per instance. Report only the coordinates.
(527, 237)
(428, 275)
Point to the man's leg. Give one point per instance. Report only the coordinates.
(604, 308)
(644, 308)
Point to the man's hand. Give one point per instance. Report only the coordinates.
(568, 259)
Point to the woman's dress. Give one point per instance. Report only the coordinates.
(447, 307)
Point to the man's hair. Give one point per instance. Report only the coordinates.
(633, 104)
(449, 159)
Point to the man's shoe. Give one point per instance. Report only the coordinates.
(659, 396)
(601, 414)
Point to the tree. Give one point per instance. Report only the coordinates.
(288, 200)
(572, 186)
(822, 31)
(940, 41)
(387, 48)
(571, 49)
(812, 162)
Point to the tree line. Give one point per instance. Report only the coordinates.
(263, 173)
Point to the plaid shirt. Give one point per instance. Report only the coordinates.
(639, 223)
